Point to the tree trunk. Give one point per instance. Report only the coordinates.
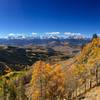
(85, 86)
(97, 75)
(90, 84)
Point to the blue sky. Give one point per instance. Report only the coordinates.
(40, 16)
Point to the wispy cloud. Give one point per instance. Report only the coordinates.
(11, 34)
(72, 33)
(52, 33)
(17, 35)
(33, 33)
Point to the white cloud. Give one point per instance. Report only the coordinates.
(52, 33)
(11, 34)
(33, 33)
(74, 35)
(17, 35)
(71, 33)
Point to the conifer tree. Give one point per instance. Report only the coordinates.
(94, 36)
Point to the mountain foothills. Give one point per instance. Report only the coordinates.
(20, 57)
(57, 71)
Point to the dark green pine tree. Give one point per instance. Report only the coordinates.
(94, 36)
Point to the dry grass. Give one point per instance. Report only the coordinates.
(93, 94)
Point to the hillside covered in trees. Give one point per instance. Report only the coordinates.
(68, 80)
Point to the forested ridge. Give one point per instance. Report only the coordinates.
(44, 81)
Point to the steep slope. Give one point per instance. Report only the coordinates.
(88, 57)
(93, 94)
(83, 70)
(88, 62)
(90, 53)
(86, 68)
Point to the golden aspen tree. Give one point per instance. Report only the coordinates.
(40, 77)
(48, 82)
(56, 85)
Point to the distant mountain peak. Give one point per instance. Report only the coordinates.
(53, 35)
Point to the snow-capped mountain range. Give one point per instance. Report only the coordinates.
(43, 39)
(53, 35)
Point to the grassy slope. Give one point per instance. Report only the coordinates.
(15, 75)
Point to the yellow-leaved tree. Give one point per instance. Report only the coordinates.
(56, 85)
(48, 82)
(40, 77)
